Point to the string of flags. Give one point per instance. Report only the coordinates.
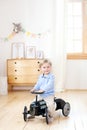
(17, 28)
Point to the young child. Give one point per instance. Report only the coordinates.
(45, 84)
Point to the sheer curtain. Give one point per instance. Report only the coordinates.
(59, 54)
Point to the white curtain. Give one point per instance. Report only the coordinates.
(59, 46)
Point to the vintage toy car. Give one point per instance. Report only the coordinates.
(40, 108)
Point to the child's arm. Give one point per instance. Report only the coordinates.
(37, 86)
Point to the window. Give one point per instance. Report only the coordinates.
(73, 27)
(76, 28)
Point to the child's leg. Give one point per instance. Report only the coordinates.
(51, 105)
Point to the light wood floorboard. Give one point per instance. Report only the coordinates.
(12, 105)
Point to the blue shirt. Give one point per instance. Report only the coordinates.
(45, 83)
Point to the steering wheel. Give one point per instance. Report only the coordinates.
(37, 92)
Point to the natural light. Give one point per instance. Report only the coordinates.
(73, 26)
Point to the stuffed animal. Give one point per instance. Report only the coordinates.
(17, 27)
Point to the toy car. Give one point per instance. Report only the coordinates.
(40, 108)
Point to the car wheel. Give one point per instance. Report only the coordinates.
(47, 116)
(25, 113)
(66, 109)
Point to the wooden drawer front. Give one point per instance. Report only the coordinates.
(23, 71)
(23, 79)
(23, 63)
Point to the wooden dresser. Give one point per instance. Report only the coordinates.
(23, 71)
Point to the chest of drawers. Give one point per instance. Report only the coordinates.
(23, 71)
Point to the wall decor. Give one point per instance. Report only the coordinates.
(17, 50)
(17, 27)
(30, 52)
(39, 54)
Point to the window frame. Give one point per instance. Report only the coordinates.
(83, 54)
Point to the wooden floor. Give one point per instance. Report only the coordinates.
(12, 105)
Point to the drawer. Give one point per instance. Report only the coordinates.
(23, 71)
(23, 63)
(23, 79)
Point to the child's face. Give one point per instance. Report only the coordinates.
(46, 68)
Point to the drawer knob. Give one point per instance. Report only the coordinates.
(38, 62)
(38, 70)
(15, 77)
(15, 62)
(15, 70)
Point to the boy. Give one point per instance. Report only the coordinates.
(45, 84)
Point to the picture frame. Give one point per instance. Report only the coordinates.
(31, 52)
(39, 54)
(17, 50)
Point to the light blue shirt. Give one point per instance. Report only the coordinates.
(45, 83)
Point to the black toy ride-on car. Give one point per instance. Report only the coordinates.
(40, 108)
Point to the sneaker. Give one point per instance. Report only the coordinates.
(50, 119)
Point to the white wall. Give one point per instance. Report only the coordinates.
(76, 74)
(39, 16)
(35, 17)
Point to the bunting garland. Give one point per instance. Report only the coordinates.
(27, 33)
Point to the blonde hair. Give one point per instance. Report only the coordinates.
(45, 61)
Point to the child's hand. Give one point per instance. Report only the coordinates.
(32, 90)
(41, 91)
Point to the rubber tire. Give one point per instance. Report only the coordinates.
(47, 116)
(66, 109)
(25, 113)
